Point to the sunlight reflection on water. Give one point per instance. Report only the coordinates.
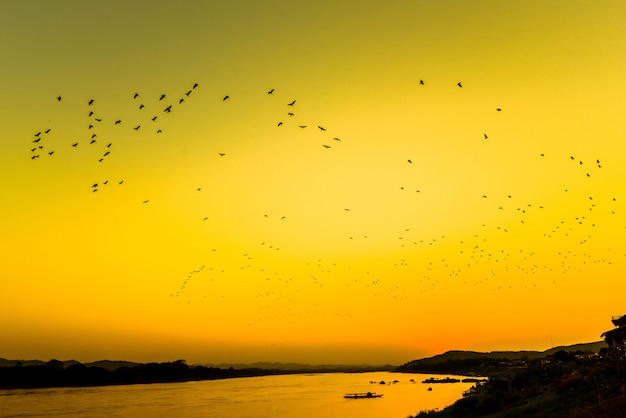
(300, 395)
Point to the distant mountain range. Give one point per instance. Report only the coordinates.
(105, 364)
(473, 362)
(424, 363)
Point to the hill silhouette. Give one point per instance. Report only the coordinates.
(486, 363)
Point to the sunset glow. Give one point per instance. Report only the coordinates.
(323, 182)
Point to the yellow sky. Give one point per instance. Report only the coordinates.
(432, 222)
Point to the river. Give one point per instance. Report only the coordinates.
(299, 395)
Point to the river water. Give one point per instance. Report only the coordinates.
(285, 396)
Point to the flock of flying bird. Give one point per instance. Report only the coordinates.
(476, 260)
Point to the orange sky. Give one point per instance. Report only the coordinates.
(421, 219)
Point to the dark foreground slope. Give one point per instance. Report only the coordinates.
(562, 386)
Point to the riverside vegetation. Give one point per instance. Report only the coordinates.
(564, 384)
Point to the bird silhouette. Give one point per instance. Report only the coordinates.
(162, 97)
(302, 126)
(485, 136)
(195, 85)
(422, 82)
(321, 128)
(271, 91)
(141, 106)
(225, 97)
(137, 127)
(75, 144)
(47, 131)
(280, 123)
(90, 102)
(326, 146)
(292, 103)
(154, 119)
(459, 84)
(59, 98)
(168, 109)
(117, 122)
(136, 95)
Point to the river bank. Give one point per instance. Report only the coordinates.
(566, 386)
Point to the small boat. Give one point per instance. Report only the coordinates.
(363, 395)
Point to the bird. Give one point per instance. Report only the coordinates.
(221, 154)
(37, 140)
(59, 98)
(159, 131)
(280, 123)
(499, 109)
(410, 162)
(109, 144)
(141, 106)
(34, 156)
(90, 102)
(225, 97)
(337, 139)
(292, 103)
(136, 95)
(181, 101)
(51, 152)
(302, 126)
(321, 128)
(485, 136)
(271, 91)
(117, 122)
(137, 127)
(422, 82)
(93, 141)
(188, 93)
(75, 144)
(90, 114)
(90, 126)
(105, 154)
(154, 119)
(162, 97)
(459, 84)
(167, 109)
(47, 131)
(326, 146)
(195, 85)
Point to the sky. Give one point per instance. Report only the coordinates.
(318, 182)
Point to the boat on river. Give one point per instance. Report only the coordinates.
(363, 395)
